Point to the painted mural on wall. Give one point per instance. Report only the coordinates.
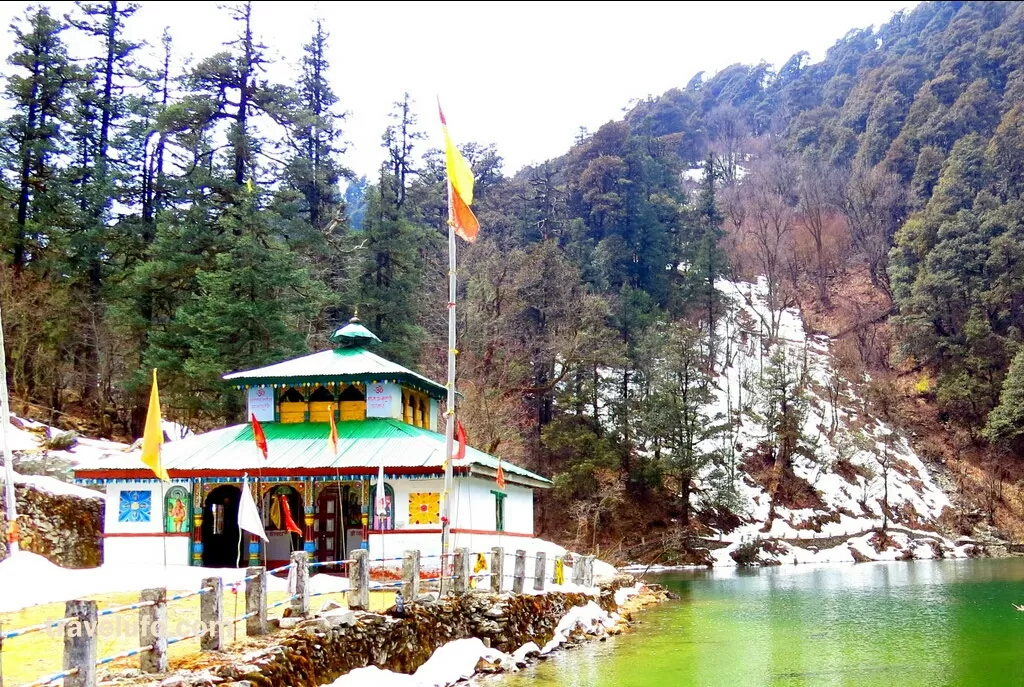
(425, 508)
(176, 511)
(386, 522)
(135, 506)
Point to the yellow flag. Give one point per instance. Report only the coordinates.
(460, 182)
(153, 436)
(249, 186)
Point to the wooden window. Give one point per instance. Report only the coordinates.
(293, 406)
(321, 404)
(499, 510)
(352, 403)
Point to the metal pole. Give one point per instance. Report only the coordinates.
(449, 425)
(5, 409)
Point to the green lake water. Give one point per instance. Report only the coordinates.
(870, 625)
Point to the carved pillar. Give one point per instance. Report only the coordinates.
(197, 522)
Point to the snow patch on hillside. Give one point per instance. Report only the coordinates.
(869, 452)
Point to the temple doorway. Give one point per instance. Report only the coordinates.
(220, 533)
(338, 526)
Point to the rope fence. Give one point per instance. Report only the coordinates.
(457, 573)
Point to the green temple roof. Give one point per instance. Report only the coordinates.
(362, 446)
(355, 364)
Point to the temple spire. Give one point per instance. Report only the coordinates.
(353, 334)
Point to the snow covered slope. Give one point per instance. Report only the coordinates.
(855, 463)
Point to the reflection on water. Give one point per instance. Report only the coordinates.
(871, 625)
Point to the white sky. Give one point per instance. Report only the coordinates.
(525, 76)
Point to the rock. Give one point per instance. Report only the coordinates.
(173, 681)
(485, 666)
(426, 598)
(314, 625)
(330, 605)
(494, 612)
(339, 618)
(62, 441)
(288, 623)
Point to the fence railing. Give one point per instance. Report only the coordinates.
(466, 572)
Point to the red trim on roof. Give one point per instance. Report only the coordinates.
(454, 530)
(255, 471)
(457, 530)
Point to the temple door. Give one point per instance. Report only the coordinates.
(329, 526)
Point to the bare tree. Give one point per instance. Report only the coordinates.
(771, 218)
(817, 201)
(875, 204)
(728, 133)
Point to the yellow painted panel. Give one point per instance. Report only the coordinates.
(320, 411)
(424, 508)
(353, 410)
(293, 412)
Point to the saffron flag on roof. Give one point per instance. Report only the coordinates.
(460, 436)
(332, 437)
(500, 477)
(153, 435)
(460, 187)
(259, 436)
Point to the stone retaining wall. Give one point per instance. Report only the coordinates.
(320, 650)
(66, 529)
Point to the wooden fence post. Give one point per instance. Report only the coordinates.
(577, 569)
(80, 643)
(256, 601)
(461, 585)
(588, 571)
(497, 569)
(211, 614)
(300, 602)
(538, 571)
(359, 580)
(153, 631)
(519, 574)
(411, 575)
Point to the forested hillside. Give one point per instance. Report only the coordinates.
(204, 221)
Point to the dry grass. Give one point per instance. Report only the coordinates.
(39, 654)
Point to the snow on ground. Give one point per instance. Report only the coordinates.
(55, 486)
(39, 581)
(26, 439)
(455, 661)
(871, 452)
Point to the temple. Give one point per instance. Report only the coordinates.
(310, 497)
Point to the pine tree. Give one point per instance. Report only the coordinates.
(39, 93)
(314, 170)
(1006, 423)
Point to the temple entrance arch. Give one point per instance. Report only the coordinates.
(338, 526)
(220, 529)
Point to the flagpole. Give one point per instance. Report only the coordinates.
(12, 505)
(449, 425)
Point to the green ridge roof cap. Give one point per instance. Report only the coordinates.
(354, 334)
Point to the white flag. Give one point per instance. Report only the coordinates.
(248, 515)
(381, 501)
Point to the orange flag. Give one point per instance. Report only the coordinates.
(332, 438)
(500, 477)
(286, 515)
(460, 436)
(259, 436)
(460, 187)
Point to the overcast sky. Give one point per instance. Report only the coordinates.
(525, 76)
